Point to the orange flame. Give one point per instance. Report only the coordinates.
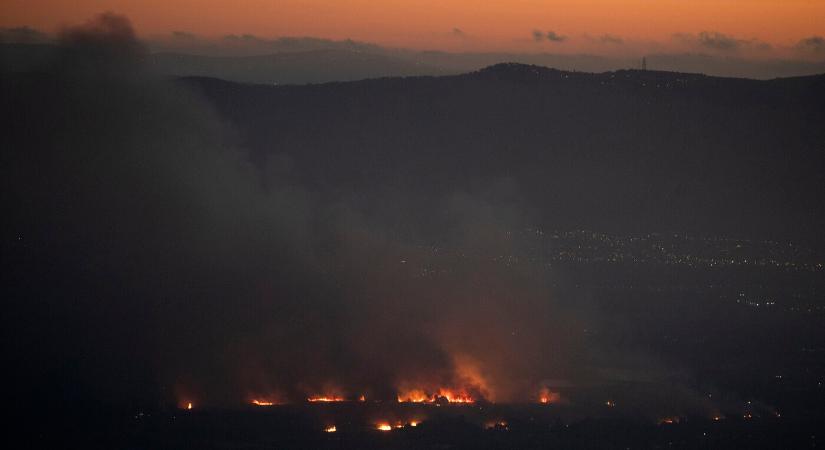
(546, 396)
(325, 399)
(415, 396)
(262, 402)
(330, 429)
(447, 395)
(455, 397)
(383, 426)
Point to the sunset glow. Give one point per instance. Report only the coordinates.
(446, 24)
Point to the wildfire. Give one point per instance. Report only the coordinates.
(455, 397)
(330, 429)
(186, 405)
(383, 426)
(546, 396)
(415, 396)
(442, 395)
(325, 399)
(257, 402)
(669, 420)
(362, 398)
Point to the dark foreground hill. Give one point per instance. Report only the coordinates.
(626, 150)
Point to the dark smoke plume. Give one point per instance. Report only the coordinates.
(146, 257)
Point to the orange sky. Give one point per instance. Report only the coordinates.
(487, 24)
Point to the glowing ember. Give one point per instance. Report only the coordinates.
(610, 403)
(413, 423)
(383, 426)
(325, 399)
(330, 429)
(262, 402)
(500, 425)
(546, 396)
(187, 405)
(669, 420)
(362, 398)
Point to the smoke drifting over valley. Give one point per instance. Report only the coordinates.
(149, 256)
(174, 241)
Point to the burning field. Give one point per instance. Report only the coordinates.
(353, 423)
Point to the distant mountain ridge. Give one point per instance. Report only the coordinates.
(298, 67)
(625, 150)
(308, 60)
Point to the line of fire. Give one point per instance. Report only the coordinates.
(412, 408)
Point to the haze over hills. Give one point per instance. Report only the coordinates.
(610, 151)
(248, 59)
(319, 66)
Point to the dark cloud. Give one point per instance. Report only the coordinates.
(813, 44)
(551, 36)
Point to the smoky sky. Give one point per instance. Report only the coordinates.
(814, 44)
(145, 255)
(150, 252)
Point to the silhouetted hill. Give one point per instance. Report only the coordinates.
(617, 150)
(316, 66)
